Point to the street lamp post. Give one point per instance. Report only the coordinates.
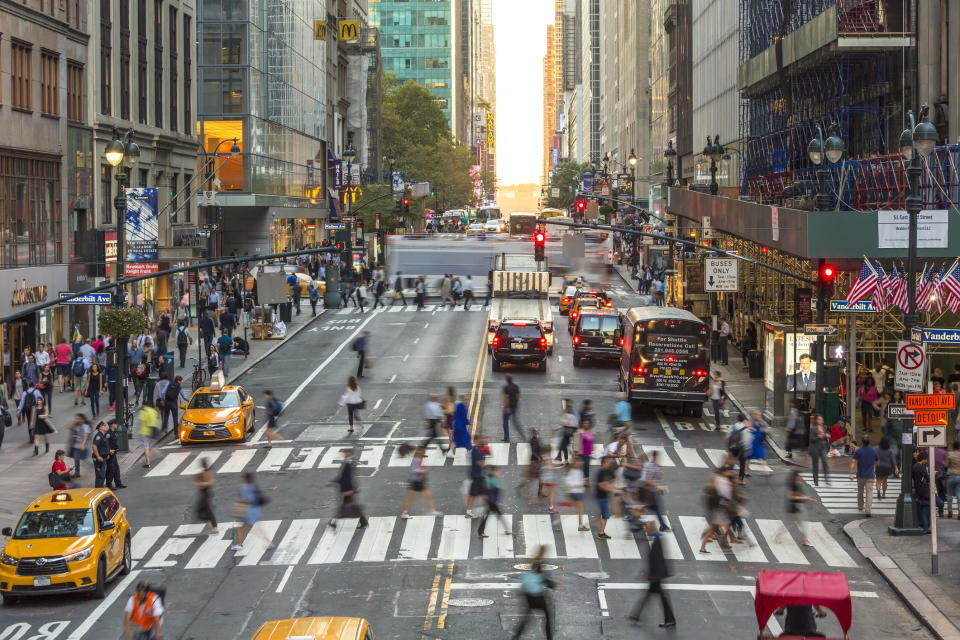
(349, 154)
(918, 140)
(669, 153)
(121, 154)
(822, 152)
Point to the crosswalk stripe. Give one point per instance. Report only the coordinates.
(579, 544)
(499, 544)
(190, 529)
(663, 459)
(417, 537)
(376, 539)
(621, 544)
(395, 309)
(309, 458)
(499, 454)
(671, 550)
(778, 538)
(537, 531)
(196, 465)
(334, 542)
(429, 307)
(295, 541)
(455, 538)
(276, 456)
(172, 546)
(748, 551)
(371, 456)
(256, 542)
(212, 549)
(169, 463)
(331, 458)
(143, 540)
(828, 548)
(716, 456)
(237, 461)
(690, 457)
(693, 527)
(523, 453)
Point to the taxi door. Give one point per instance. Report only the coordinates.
(246, 403)
(108, 508)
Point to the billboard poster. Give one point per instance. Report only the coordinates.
(142, 225)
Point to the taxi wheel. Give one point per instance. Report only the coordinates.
(127, 559)
(576, 361)
(100, 589)
(496, 365)
(543, 366)
(10, 599)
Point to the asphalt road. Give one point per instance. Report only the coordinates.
(431, 576)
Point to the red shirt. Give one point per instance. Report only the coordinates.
(837, 433)
(64, 353)
(96, 344)
(58, 468)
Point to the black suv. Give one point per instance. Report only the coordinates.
(519, 342)
(597, 334)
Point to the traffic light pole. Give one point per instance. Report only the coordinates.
(821, 316)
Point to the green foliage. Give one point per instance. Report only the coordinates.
(605, 210)
(567, 177)
(122, 321)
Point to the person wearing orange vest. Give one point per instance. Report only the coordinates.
(143, 615)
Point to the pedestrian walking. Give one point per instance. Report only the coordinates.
(583, 447)
(656, 572)
(887, 466)
(172, 397)
(203, 481)
(183, 339)
(379, 288)
(362, 295)
(604, 490)
(314, 292)
(718, 493)
(651, 483)
(113, 464)
(81, 441)
(353, 401)
(94, 387)
(475, 482)
(42, 427)
(819, 445)
(461, 422)
(467, 293)
(274, 407)
(863, 464)
(420, 289)
(574, 483)
(360, 347)
(758, 449)
(569, 423)
(510, 403)
(100, 448)
(448, 405)
(718, 395)
(149, 423)
(534, 583)
(248, 509)
(143, 614)
(206, 329)
(418, 484)
(27, 408)
(795, 498)
(492, 494)
(346, 483)
(794, 427)
(213, 360)
(45, 385)
(433, 415)
(445, 287)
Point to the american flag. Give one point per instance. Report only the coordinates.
(951, 280)
(881, 293)
(925, 289)
(938, 290)
(864, 285)
(900, 289)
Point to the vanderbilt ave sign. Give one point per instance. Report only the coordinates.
(22, 294)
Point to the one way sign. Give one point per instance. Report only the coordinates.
(720, 274)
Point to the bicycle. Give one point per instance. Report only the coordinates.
(199, 377)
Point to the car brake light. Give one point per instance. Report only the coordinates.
(700, 373)
(576, 339)
(496, 341)
(566, 299)
(621, 342)
(639, 370)
(609, 304)
(670, 358)
(573, 314)
(543, 343)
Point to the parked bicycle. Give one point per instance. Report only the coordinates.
(200, 376)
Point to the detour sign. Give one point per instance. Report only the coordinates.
(930, 401)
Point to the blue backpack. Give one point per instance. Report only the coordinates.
(78, 367)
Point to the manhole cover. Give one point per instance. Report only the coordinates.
(525, 566)
(469, 602)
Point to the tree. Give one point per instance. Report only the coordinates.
(566, 177)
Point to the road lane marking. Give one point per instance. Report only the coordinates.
(237, 461)
(445, 596)
(276, 456)
(334, 542)
(393, 377)
(562, 381)
(119, 589)
(144, 539)
(405, 357)
(196, 466)
(168, 464)
(417, 537)
(828, 548)
(294, 544)
(780, 542)
(426, 324)
(537, 531)
(498, 544)
(477, 376)
(416, 341)
(377, 404)
(667, 430)
(579, 543)
(690, 458)
(693, 528)
(455, 538)
(376, 539)
(283, 580)
(622, 544)
(258, 539)
(213, 548)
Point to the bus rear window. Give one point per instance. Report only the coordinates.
(598, 325)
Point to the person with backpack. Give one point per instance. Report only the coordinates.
(184, 339)
(172, 396)
(143, 614)
(228, 323)
(27, 408)
(418, 485)
(534, 583)
(492, 491)
(149, 420)
(79, 370)
(81, 440)
(360, 347)
(456, 290)
(739, 440)
(274, 408)
(657, 571)
(361, 292)
(224, 349)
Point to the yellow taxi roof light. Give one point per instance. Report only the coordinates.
(61, 497)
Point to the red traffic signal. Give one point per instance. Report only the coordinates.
(827, 272)
(406, 202)
(581, 205)
(539, 237)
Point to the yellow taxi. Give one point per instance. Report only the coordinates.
(66, 540)
(566, 300)
(218, 413)
(579, 303)
(315, 629)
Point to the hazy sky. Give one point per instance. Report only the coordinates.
(520, 35)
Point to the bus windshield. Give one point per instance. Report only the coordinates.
(522, 224)
(488, 213)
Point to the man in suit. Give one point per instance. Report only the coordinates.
(657, 571)
(804, 380)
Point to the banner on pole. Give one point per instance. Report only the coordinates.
(142, 225)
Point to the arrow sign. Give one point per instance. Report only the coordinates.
(819, 329)
(711, 281)
(932, 437)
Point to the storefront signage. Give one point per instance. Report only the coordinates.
(22, 294)
(99, 297)
(142, 225)
(134, 269)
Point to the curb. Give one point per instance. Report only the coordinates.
(912, 595)
(132, 458)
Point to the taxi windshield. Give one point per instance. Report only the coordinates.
(221, 400)
(59, 523)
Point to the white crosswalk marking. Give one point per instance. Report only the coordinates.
(143, 540)
(690, 457)
(168, 463)
(196, 465)
(295, 541)
(693, 527)
(537, 531)
(376, 539)
(828, 548)
(331, 458)
(840, 496)
(276, 456)
(417, 537)
(334, 542)
(579, 544)
(523, 453)
(499, 454)
(173, 546)
(671, 550)
(748, 551)
(433, 458)
(258, 539)
(213, 548)
(190, 529)
(716, 456)
(308, 455)
(499, 544)
(621, 543)
(780, 542)
(396, 309)
(429, 307)
(237, 461)
(663, 459)
(371, 456)
(455, 538)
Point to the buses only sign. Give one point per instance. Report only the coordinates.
(720, 274)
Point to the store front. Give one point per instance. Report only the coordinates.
(21, 289)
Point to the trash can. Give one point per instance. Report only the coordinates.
(286, 312)
(755, 363)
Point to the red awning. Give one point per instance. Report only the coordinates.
(777, 589)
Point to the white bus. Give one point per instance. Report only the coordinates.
(488, 212)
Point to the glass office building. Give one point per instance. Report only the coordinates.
(417, 43)
(263, 81)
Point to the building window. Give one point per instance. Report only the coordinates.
(158, 63)
(142, 61)
(174, 180)
(29, 204)
(50, 83)
(74, 91)
(105, 58)
(20, 74)
(106, 195)
(144, 176)
(187, 198)
(188, 126)
(174, 85)
(125, 59)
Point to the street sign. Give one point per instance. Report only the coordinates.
(931, 437)
(911, 360)
(555, 192)
(931, 401)
(721, 274)
(99, 297)
(946, 336)
(347, 218)
(898, 410)
(841, 306)
(334, 225)
(935, 418)
(819, 329)
(916, 335)
(707, 228)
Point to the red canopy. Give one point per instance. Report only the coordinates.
(777, 589)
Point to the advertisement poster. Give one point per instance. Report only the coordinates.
(799, 360)
(769, 345)
(142, 225)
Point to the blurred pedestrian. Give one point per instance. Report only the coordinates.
(475, 481)
(346, 483)
(149, 422)
(433, 415)
(887, 466)
(819, 445)
(569, 424)
(248, 510)
(863, 464)
(360, 347)
(510, 403)
(274, 408)
(574, 482)
(398, 291)
(42, 427)
(492, 494)
(718, 395)
(796, 496)
(461, 422)
(657, 571)
(418, 484)
(203, 481)
(534, 583)
(448, 405)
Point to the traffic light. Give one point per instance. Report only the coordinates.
(581, 205)
(539, 244)
(406, 205)
(827, 274)
(396, 205)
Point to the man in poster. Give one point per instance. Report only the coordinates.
(805, 379)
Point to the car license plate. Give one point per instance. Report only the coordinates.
(608, 341)
(209, 433)
(518, 345)
(41, 582)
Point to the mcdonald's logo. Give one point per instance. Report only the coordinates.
(319, 30)
(349, 30)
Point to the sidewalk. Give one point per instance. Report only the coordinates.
(904, 562)
(24, 476)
